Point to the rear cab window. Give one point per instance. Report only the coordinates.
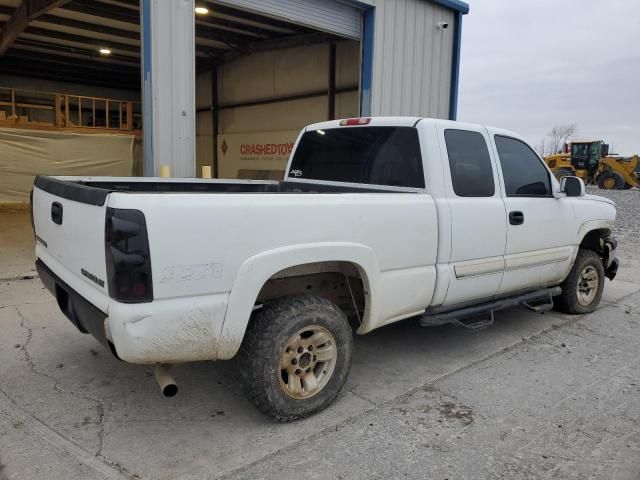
(388, 156)
(470, 163)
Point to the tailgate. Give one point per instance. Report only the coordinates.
(69, 223)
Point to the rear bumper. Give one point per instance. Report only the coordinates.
(84, 315)
(169, 330)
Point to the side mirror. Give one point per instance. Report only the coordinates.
(572, 186)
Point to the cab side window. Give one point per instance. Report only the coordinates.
(523, 172)
(470, 164)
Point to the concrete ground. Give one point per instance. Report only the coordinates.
(535, 396)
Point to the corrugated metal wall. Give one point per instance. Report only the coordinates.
(412, 59)
(291, 71)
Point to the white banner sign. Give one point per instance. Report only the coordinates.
(258, 155)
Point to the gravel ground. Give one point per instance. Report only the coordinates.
(627, 227)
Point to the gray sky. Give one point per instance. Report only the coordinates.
(528, 65)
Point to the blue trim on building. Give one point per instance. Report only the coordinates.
(147, 90)
(368, 28)
(455, 5)
(455, 67)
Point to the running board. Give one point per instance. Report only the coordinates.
(539, 301)
(475, 325)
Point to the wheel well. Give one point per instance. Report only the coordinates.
(593, 240)
(342, 283)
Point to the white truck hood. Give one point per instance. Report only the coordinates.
(598, 198)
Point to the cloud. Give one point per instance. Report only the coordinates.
(527, 66)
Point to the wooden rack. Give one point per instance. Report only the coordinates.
(63, 111)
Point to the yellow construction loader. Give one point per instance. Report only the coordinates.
(590, 160)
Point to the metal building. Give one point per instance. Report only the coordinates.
(383, 57)
(220, 83)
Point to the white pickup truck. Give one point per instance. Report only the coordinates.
(377, 220)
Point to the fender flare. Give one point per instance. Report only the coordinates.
(608, 245)
(585, 228)
(255, 271)
(590, 225)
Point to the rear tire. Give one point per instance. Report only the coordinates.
(609, 180)
(295, 356)
(582, 289)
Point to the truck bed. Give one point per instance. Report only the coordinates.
(94, 191)
(200, 246)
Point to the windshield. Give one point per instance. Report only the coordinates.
(367, 155)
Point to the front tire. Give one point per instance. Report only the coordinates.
(582, 289)
(295, 356)
(609, 180)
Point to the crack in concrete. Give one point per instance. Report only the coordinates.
(20, 276)
(107, 468)
(25, 303)
(100, 407)
(360, 396)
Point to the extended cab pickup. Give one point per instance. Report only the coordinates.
(377, 220)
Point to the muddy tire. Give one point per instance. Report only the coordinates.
(582, 289)
(295, 356)
(609, 180)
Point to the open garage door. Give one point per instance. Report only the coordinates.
(264, 69)
(327, 15)
(295, 63)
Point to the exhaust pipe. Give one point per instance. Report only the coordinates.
(166, 381)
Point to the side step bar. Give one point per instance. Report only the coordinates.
(538, 301)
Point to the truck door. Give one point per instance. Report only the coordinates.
(478, 223)
(540, 228)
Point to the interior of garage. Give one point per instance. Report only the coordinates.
(70, 83)
(265, 98)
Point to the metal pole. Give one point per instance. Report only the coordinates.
(148, 167)
(214, 118)
(331, 108)
(168, 66)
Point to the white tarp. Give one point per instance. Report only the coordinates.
(27, 153)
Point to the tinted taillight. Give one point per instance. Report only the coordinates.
(127, 255)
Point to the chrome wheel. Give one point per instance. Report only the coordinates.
(587, 285)
(307, 362)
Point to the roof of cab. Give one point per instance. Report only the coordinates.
(375, 122)
(411, 122)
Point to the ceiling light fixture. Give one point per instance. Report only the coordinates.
(105, 51)
(202, 10)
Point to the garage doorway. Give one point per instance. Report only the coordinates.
(282, 65)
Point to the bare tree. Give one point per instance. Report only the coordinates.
(541, 147)
(559, 135)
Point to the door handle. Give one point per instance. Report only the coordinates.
(56, 213)
(516, 218)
